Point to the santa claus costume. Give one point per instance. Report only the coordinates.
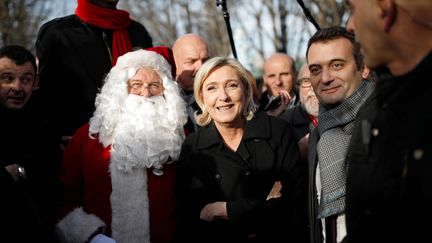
(117, 176)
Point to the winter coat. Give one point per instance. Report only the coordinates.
(299, 120)
(83, 199)
(390, 160)
(26, 205)
(208, 171)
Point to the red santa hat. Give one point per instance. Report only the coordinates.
(167, 53)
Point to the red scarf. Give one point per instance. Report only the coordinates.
(110, 19)
(313, 119)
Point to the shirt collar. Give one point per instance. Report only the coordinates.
(257, 128)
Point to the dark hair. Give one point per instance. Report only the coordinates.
(336, 32)
(19, 55)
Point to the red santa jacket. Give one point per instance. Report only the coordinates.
(83, 197)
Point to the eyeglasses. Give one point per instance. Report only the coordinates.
(139, 85)
(304, 82)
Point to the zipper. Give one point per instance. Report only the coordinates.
(104, 37)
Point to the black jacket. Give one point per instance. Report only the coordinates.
(389, 185)
(74, 58)
(208, 172)
(26, 206)
(299, 120)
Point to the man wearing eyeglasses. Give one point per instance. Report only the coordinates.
(117, 176)
(146, 82)
(304, 115)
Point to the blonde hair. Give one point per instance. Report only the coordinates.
(246, 79)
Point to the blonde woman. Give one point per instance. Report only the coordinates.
(228, 168)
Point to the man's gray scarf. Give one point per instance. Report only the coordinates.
(335, 127)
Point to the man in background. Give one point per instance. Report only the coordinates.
(305, 113)
(190, 52)
(304, 116)
(279, 76)
(75, 53)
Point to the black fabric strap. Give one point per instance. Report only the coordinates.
(330, 229)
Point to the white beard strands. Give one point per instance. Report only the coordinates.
(147, 135)
(143, 132)
(311, 103)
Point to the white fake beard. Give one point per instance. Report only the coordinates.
(311, 103)
(145, 137)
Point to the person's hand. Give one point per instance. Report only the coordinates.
(213, 211)
(64, 140)
(13, 170)
(275, 192)
(100, 238)
(285, 100)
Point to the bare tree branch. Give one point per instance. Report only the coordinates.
(20, 20)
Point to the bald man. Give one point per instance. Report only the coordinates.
(190, 52)
(390, 158)
(279, 78)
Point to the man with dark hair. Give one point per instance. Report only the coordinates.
(75, 53)
(390, 159)
(27, 159)
(338, 78)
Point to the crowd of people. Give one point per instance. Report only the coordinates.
(107, 138)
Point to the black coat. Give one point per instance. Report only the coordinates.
(208, 172)
(299, 120)
(21, 221)
(389, 182)
(26, 206)
(74, 58)
(316, 229)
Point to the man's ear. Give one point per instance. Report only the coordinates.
(365, 72)
(36, 83)
(388, 13)
(264, 79)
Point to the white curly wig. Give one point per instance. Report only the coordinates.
(114, 92)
